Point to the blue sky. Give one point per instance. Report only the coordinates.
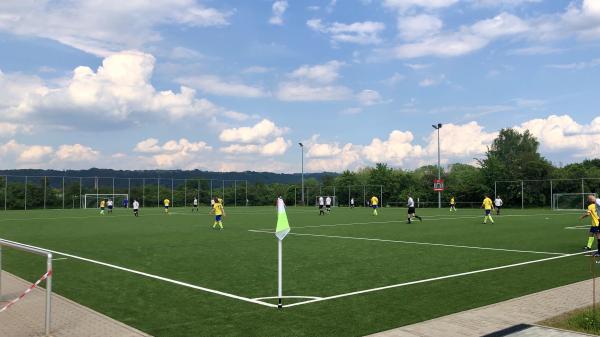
(235, 85)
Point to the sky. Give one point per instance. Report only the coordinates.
(235, 85)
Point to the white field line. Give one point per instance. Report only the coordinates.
(66, 217)
(60, 259)
(156, 277)
(413, 243)
(275, 297)
(434, 279)
(578, 227)
(427, 218)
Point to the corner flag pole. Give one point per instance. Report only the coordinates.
(283, 228)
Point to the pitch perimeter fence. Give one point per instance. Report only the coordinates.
(62, 192)
(540, 193)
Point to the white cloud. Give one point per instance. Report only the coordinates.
(419, 26)
(119, 90)
(11, 129)
(256, 70)
(562, 133)
(258, 133)
(76, 152)
(576, 65)
(294, 91)
(324, 73)
(466, 40)
(103, 27)
(502, 3)
(369, 97)
(278, 9)
(172, 154)
(274, 148)
(405, 5)
(215, 85)
(366, 32)
(395, 78)
(432, 81)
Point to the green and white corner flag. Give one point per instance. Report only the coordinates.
(283, 226)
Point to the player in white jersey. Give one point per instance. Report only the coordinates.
(498, 204)
(328, 204)
(195, 205)
(352, 203)
(321, 204)
(110, 206)
(136, 207)
(412, 213)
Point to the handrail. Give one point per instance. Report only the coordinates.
(22, 246)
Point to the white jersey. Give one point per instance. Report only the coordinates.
(498, 202)
(320, 201)
(328, 201)
(598, 206)
(212, 202)
(411, 202)
(195, 202)
(109, 203)
(352, 201)
(136, 205)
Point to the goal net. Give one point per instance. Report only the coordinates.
(570, 201)
(93, 200)
(333, 200)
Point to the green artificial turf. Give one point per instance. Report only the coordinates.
(333, 259)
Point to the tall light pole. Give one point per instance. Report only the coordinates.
(302, 149)
(438, 127)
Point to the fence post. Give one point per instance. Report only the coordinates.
(172, 195)
(582, 195)
(25, 192)
(223, 190)
(522, 196)
(48, 293)
(45, 185)
(246, 193)
(495, 189)
(63, 194)
(348, 196)
(211, 189)
(158, 192)
(143, 192)
(128, 191)
(80, 190)
(235, 193)
(5, 190)
(551, 196)
(185, 192)
(381, 195)
(113, 189)
(364, 196)
(334, 193)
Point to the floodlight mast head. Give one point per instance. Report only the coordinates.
(437, 127)
(301, 145)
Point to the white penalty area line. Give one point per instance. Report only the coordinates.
(413, 243)
(433, 279)
(156, 277)
(426, 218)
(578, 227)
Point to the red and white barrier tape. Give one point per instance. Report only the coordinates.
(33, 286)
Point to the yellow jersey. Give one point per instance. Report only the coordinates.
(218, 208)
(220, 201)
(374, 201)
(102, 204)
(592, 213)
(452, 201)
(487, 203)
(167, 202)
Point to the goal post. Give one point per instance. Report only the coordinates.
(333, 200)
(47, 277)
(92, 200)
(570, 201)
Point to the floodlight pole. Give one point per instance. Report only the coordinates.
(438, 127)
(302, 151)
(279, 273)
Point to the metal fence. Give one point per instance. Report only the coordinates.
(343, 194)
(62, 192)
(540, 193)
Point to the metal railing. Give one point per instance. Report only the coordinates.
(34, 250)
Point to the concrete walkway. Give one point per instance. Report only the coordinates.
(69, 319)
(528, 309)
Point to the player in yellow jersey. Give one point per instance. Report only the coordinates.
(595, 225)
(452, 204)
(374, 204)
(166, 203)
(102, 205)
(219, 212)
(488, 205)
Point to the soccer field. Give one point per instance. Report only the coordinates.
(346, 274)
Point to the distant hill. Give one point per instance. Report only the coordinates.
(251, 176)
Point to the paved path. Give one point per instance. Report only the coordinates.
(492, 318)
(69, 319)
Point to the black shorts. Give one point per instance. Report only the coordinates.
(110, 207)
(411, 210)
(135, 210)
(320, 206)
(594, 229)
(328, 206)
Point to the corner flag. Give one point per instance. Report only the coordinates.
(283, 226)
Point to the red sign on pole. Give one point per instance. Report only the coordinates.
(438, 185)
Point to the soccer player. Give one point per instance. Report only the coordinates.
(166, 202)
(412, 211)
(136, 207)
(328, 204)
(352, 203)
(321, 204)
(110, 206)
(195, 205)
(488, 205)
(498, 203)
(219, 212)
(102, 205)
(374, 204)
(592, 212)
(125, 203)
(452, 204)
